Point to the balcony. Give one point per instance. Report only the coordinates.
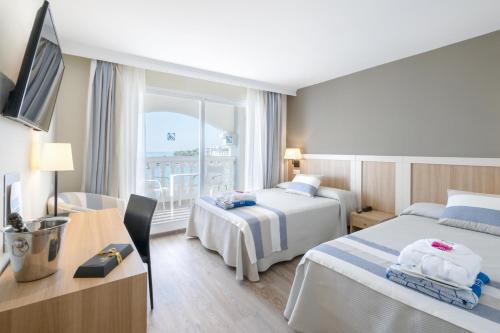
(175, 182)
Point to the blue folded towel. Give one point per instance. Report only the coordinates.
(234, 204)
(463, 297)
(236, 199)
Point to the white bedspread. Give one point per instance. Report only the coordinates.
(309, 222)
(351, 271)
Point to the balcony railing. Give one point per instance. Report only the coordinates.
(175, 181)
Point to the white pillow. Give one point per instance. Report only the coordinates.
(304, 185)
(283, 185)
(425, 209)
(473, 211)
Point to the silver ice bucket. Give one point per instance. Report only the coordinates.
(34, 254)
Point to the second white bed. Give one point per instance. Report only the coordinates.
(309, 222)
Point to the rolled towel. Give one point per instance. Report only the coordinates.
(442, 260)
(465, 297)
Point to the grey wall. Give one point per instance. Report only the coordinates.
(445, 102)
(71, 111)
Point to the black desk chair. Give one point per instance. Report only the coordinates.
(137, 220)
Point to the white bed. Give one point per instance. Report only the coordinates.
(340, 286)
(309, 222)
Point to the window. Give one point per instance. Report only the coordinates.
(177, 128)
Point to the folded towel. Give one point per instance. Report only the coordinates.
(465, 297)
(447, 261)
(236, 196)
(233, 204)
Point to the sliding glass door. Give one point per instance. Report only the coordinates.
(193, 147)
(223, 127)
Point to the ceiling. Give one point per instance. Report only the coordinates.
(286, 43)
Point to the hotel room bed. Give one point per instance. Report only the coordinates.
(340, 286)
(292, 224)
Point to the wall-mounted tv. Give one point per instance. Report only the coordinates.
(33, 99)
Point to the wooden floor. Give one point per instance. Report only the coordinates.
(194, 291)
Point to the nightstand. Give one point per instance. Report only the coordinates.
(368, 219)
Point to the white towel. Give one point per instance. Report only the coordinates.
(442, 260)
(237, 196)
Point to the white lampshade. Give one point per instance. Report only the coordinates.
(56, 157)
(293, 154)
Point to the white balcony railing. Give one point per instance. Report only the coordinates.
(175, 181)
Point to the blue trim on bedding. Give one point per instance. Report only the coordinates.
(480, 310)
(494, 284)
(374, 245)
(283, 229)
(253, 223)
(303, 187)
(255, 228)
(473, 214)
(350, 258)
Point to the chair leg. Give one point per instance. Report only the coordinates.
(150, 278)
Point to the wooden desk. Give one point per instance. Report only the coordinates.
(61, 304)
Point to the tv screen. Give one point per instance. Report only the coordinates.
(33, 99)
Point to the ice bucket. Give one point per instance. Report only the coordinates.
(34, 254)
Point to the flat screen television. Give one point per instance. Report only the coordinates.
(33, 99)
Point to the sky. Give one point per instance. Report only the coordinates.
(186, 129)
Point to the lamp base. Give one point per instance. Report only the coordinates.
(55, 194)
(296, 163)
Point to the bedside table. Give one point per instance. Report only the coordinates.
(368, 219)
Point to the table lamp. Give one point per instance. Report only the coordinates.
(295, 155)
(56, 157)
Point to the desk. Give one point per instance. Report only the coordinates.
(61, 304)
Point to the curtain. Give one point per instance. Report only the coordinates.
(254, 141)
(99, 175)
(275, 114)
(114, 155)
(264, 139)
(131, 84)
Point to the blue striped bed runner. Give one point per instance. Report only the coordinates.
(349, 254)
(253, 216)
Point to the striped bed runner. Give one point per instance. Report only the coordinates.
(366, 262)
(267, 225)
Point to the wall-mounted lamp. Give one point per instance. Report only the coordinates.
(295, 155)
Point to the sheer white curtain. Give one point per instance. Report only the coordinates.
(254, 141)
(265, 139)
(131, 85)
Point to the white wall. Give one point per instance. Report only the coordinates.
(195, 86)
(19, 145)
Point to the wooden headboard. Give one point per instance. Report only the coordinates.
(336, 173)
(430, 182)
(392, 183)
(378, 188)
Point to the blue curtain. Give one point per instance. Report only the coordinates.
(100, 150)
